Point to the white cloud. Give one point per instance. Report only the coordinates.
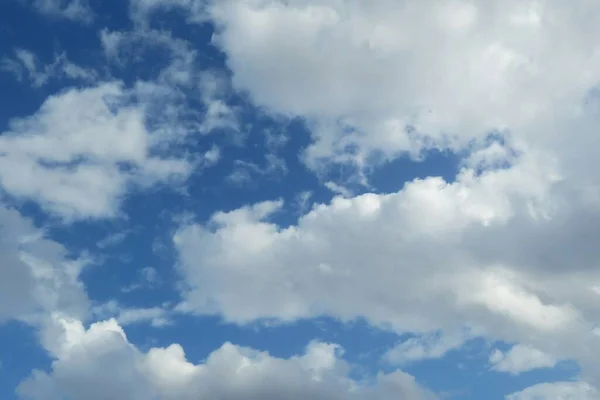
(397, 229)
(520, 358)
(100, 363)
(431, 256)
(111, 240)
(76, 10)
(430, 346)
(556, 391)
(212, 156)
(82, 149)
(36, 274)
(155, 316)
(361, 72)
(338, 189)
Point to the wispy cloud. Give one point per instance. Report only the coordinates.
(26, 65)
(75, 10)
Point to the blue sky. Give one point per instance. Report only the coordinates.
(244, 199)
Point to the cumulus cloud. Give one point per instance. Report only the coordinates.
(398, 228)
(100, 363)
(519, 359)
(431, 256)
(81, 150)
(389, 77)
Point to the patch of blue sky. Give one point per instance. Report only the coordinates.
(20, 352)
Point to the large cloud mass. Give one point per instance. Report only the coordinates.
(431, 256)
(362, 72)
(508, 248)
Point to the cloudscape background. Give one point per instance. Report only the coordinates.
(293, 199)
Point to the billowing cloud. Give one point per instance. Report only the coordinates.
(388, 77)
(432, 256)
(100, 363)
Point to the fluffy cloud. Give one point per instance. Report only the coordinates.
(519, 359)
(392, 234)
(100, 363)
(36, 274)
(431, 256)
(361, 73)
(81, 150)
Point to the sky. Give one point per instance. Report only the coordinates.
(292, 199)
